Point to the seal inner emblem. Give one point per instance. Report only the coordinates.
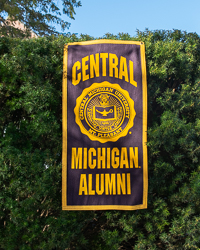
(104, 112)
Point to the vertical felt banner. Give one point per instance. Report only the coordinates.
(104, 154)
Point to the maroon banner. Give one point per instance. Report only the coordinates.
(104, 126)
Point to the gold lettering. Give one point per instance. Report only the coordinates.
(113, 63)
(83, 185)
(76, 159)
(133, 157)
(85, 159)
(101, 190)
(76, 78)
(91, 162)
(115, 160)
(131, 74)
(103, 57)
(110, 184)
(108, 157)
(123, 71)
(124, 158)
(84, 68)
(117, 68)
(121, 184)
(107, 184)
(94, 65)
(91, 192)
(101, 158)
(128, 183)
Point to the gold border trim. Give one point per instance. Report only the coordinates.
(144, 134)
(109, 41)
(104, 207)
(64, 129)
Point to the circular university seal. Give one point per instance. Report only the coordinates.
(104, 112)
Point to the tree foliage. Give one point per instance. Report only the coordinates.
(31, 141)
(37, 16)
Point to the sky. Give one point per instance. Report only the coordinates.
(98, 17)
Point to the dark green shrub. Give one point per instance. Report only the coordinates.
(31, 144)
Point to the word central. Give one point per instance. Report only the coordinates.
(89, 67)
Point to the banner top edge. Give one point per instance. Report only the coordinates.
(108, 41)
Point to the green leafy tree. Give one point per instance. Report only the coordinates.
(31, 141)
(37, 16)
